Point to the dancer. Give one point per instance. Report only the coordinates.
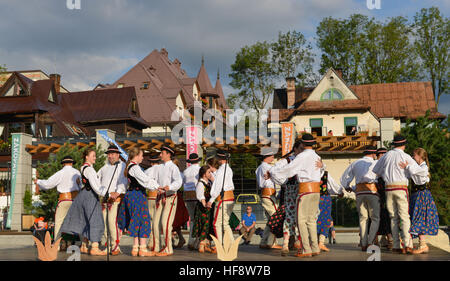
(152, 195)
(268, 199)
(308, 194)
(117, 184)
(169, 181)
(367, 197)
(424, 214)
(397, 200)
(133, 214)
(385, 222)
(223, 178)
(68, 183)
(85, 215)
(328, 186)
(202, 227)
(190, 179)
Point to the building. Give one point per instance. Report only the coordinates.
(34, 75)
(163, 87)
(345, 118)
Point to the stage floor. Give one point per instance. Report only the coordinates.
(338, 252)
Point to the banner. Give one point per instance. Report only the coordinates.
(287, 137)
(191, 141)
(104, 135)
(15, 156)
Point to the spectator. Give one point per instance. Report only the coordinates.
(353, 132)
(330, 133)
(332, 233)
(39, 229)
(248, 225)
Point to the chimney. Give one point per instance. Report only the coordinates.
(290, 92)
(339, 72)
(164, 52)
(177, 63)
(56, 81)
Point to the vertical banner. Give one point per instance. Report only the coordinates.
(191, 141)
(15, 156)
(104, 135)
(287, 137)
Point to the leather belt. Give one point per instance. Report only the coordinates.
(152, 194)
(393, 187)
(68, 195)
(309, 187)
(267, 191)
(227, 196)
(189, 195)
(364, 186)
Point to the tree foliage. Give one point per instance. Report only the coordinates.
(432, 44)
(434, 137)
(49, 198)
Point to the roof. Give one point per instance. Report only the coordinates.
(115, 105)
(37, 101)
(167, 80)
(399, 100)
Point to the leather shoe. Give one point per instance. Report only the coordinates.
(300, 255)
(397, 251)
(316, 253)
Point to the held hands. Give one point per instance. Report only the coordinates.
(208, 205)
(165, 188)
(113, 195)
(204, 203)
(403, 165)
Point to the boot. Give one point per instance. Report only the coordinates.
(143, 252)
(201, 247)
(422, 249)
(84, 248)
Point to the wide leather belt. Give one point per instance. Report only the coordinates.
(189, 195)
(364, 186)
(393, 187)
(227, 196)
(152, 194)
(267, 192)
(309, 187)
(68, 195)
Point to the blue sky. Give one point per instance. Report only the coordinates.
(103, 39)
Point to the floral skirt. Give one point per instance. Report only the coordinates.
(203, 222)
(324, 219)
(424, 215)
(276, 221)
(134, 216)
(290, 203)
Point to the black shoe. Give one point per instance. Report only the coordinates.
(334, 241)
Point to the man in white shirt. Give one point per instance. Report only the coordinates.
(68, 182)
(155, 213)
(367, 197)
(169, 180)
(113, 167)
(308, 175)
(190, 180)
(268, 199)
(396, 187)
(224, 206)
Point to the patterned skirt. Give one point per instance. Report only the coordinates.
(324, 219)
(203, 222)
(276, 221)
(424, 215)
(290, 202)
(134, 216)
(85, 217)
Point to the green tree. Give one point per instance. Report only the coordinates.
(49, 198)
(434, 137)
(253, 74)
(432, 43)
(292, 56)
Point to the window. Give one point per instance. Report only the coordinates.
(133, 105)
(49, 131)
(331, 94)
(145, 85)
(120, 85)
(316, 125)
(210, 103)
(350, 124)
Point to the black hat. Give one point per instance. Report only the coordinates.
(381, 150)
(399, 140)
(112, 149)
(168, 149)
(221, 154)
(370, 150)
(193, 158)
(154, 158)
(308, 139)
(67, 159)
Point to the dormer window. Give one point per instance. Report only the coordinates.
(120, 85)
(133, 106)
(331, 94)
(145, 85)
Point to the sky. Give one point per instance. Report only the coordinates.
(103, 39)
